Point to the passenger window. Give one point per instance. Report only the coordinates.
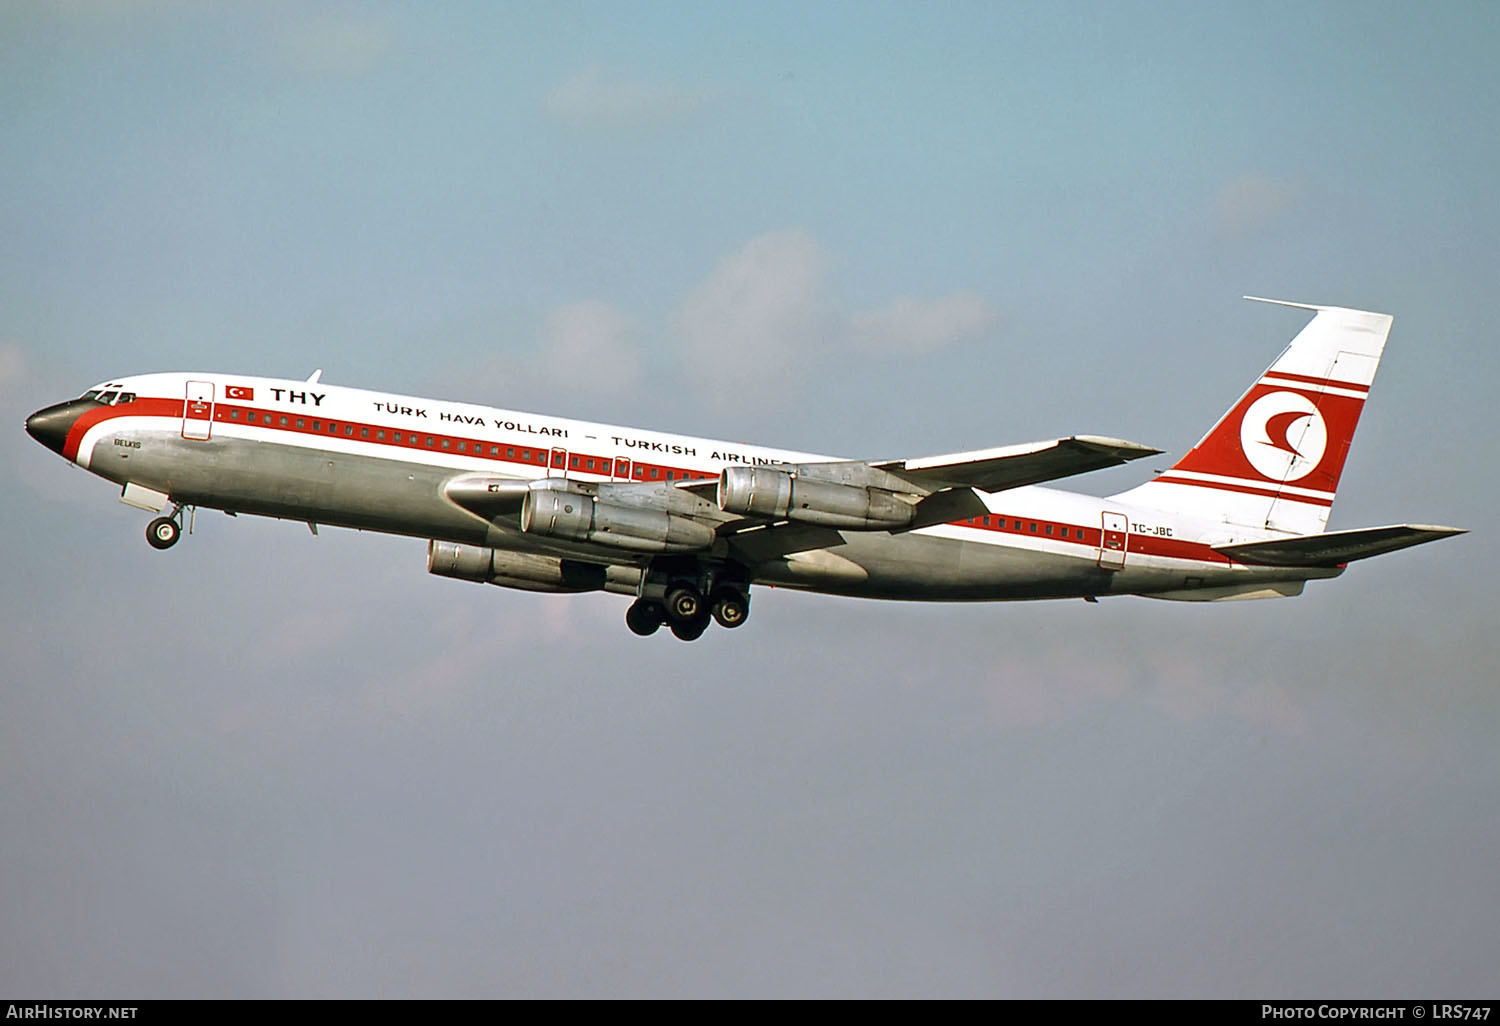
(379, 435)
(1049, 528)
(364, 432)
(1033, 527)
(446, 443)
(348, 430)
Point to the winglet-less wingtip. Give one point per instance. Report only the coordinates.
(1284, 302)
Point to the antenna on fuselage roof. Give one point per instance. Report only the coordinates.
(313, 379)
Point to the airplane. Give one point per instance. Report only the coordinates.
(686, 526)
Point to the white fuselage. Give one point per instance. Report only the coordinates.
(341, 456)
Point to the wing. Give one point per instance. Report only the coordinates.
(995, 470)
(903, 495)
(799, 505)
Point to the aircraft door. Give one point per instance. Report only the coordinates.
(198, 410)
(557, 464)
(622, 470)
(1113, 540)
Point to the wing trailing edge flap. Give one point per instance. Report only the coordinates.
(1012, 466)
(1335, 547)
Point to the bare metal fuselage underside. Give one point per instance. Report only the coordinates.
(401, 497)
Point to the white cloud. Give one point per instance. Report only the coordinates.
(1251, 201)
(588, 348)
(1029, 689)
(598, 99)
(337, 45)
(760, 317)
(764, 321)
(12, 363)
(921, 326)
(1058, 685)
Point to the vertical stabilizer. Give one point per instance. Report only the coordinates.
(1273, 461)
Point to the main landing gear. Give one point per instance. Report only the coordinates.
(687, 606)
(163, 532)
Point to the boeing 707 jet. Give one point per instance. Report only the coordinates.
(686, 526)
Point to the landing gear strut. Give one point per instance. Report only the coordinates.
(163, 532)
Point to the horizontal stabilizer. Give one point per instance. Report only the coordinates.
(1335, 547)
(995, 470)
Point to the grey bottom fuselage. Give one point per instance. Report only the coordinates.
(407, 498)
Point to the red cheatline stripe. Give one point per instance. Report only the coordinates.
(478, 449)
(138, 408)
(1320, 382)
(1244, 489)
(1088, 537)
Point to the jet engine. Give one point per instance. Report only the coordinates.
(763, 492)
(524, 570)
(573, 516)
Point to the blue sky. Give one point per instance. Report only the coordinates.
(269, 765)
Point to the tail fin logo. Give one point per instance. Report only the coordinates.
(1283, 436)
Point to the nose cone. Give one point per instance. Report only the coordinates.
(51, 425)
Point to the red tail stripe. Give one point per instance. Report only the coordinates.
(1320, 382)
(1272, 493)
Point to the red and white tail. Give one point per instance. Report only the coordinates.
(1273, 461)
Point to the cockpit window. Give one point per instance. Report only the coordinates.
(108, 397)
(125, 397)
(92, 393)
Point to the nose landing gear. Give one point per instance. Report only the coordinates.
(163, 532)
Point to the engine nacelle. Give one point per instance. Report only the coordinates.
(524, 570)
(572, 516)
(763, 492)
